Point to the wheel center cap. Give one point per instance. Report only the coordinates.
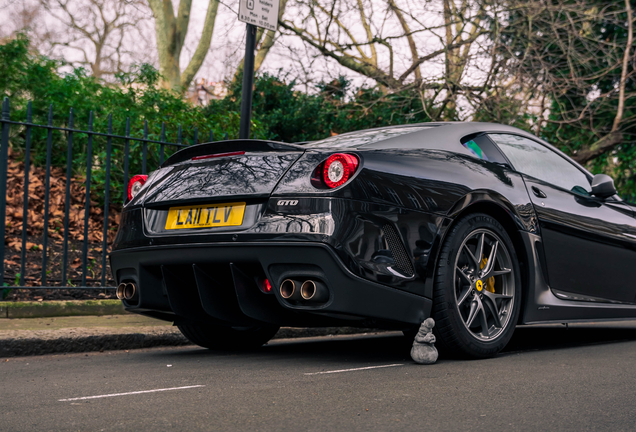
(479, 285)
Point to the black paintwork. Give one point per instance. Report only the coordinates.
(576, 251)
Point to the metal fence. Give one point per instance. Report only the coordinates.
(94, 273)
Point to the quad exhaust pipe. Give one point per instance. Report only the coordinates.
(126, 291)
(314, 291)
(290, 289)
(309, 290)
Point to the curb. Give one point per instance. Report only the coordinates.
(60, 308)
(41, 344)
(37, 346)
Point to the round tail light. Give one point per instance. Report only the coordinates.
(135, 184)
(339, 168)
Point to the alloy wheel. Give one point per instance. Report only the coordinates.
(484, 284)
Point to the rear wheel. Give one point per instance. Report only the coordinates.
(227, 338)
(477, 291)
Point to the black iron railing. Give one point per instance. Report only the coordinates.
(151, 150)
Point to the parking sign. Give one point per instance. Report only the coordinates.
(261, 13)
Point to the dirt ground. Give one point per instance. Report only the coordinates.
(54, 277)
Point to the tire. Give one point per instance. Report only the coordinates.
(476, 305)
(226, 338)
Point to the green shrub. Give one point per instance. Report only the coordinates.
(137, 97)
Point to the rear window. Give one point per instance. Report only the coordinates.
(480, 146)
(475, 150)
(366, 137)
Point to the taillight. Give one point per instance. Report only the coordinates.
(135, 184)
(339, 168)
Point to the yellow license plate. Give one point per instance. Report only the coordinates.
(205, 216)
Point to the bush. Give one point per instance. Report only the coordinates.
(288, 115)
(136, 97)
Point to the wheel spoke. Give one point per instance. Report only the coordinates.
(494, 296)
(463, 296)
(494, 311)
(483, 319)
(472, 314)
(490, 265)
(500, 272)
(480, 248)
(462, 274)
(472, 257)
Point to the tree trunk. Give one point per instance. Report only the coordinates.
(171, 32)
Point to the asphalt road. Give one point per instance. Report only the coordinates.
(550, 378)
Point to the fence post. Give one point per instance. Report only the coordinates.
(106, 198)
(144, 147)
(87, 202)
(67, 196)
(25, 207)
(47, 192)
(4, 160)
(162, 146)
(126, 162)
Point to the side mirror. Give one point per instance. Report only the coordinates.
(603, 186)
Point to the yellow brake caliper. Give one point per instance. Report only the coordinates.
(490, 283)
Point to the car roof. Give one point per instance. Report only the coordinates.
(434, 135)
(428, 136)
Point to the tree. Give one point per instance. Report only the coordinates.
(171, 32)
(578, 54)
(373, 38)
(98, 30)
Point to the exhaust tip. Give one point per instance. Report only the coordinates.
(129, 290)
(287, 289)
(308, 290)
(120, 291)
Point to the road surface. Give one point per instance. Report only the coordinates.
(549, 378)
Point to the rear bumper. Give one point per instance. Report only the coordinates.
(220, 283)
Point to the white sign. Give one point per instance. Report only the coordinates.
(261, 13)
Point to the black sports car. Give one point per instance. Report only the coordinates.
(481, 226)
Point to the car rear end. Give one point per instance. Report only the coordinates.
(245, 232)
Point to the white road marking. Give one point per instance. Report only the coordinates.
(354, 369)
(129, 393)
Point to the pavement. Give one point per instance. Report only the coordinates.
(71, 334)
(551, 377)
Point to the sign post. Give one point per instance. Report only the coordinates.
(256, 13)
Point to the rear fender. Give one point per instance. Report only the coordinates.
(514, 218)
(522, 214)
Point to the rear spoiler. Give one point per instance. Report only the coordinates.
(229, 146)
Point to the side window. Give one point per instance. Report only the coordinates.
(536, 160)
(481, 147)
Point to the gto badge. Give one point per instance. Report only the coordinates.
(287, 202)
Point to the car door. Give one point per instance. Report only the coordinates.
(589, 243)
